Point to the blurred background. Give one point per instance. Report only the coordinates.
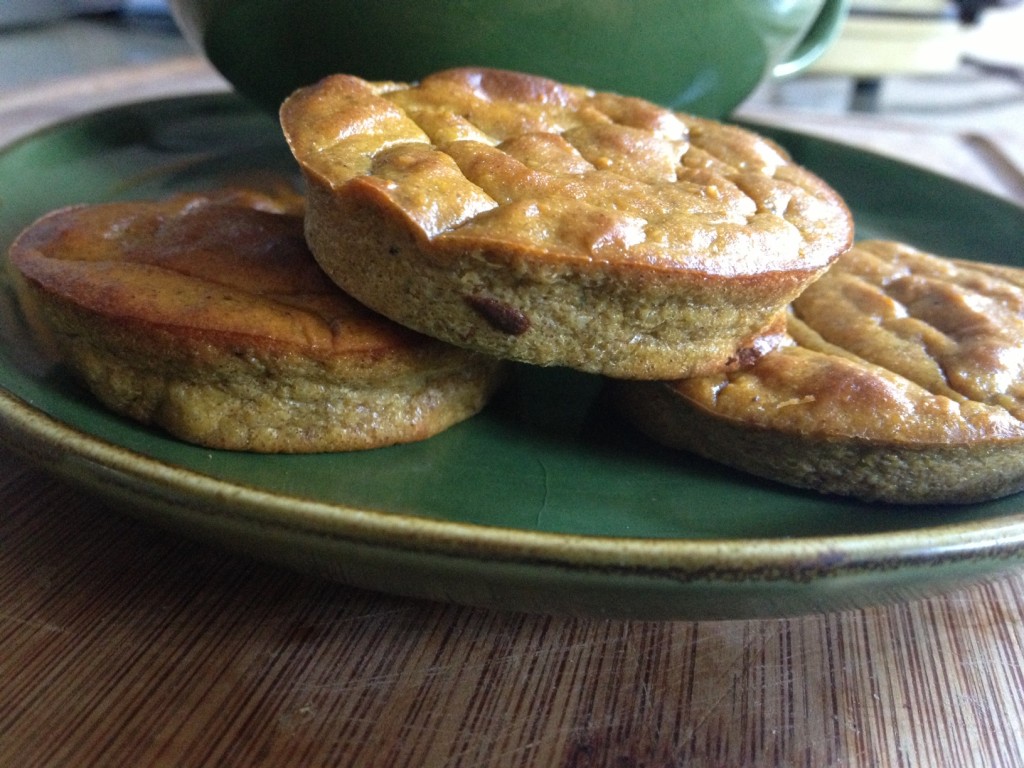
(958, 60)
(952, 65)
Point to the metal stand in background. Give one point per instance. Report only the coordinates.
(866, 94)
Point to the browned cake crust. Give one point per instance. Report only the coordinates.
(903, 381)
(556, 225)
(206, 315)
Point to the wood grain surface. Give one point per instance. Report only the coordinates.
(123, 645)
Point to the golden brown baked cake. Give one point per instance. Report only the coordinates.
(206, 315)
(556, 225)
(903, 381)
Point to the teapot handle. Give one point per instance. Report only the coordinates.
(819, 37)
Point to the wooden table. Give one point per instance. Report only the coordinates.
(125, 646)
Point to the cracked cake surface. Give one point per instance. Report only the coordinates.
(206, 315)
(902, 379)
(557, 225)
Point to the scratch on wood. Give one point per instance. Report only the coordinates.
(44, 625)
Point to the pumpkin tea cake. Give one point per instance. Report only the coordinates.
(206, 315)
(902, 381)
(556, 225)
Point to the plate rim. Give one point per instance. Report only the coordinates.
(762, 559)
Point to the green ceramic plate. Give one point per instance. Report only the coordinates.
(543, 502)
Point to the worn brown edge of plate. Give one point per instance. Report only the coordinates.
(505, 568)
